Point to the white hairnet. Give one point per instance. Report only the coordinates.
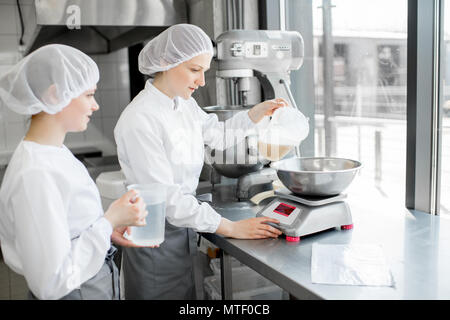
(173, 46)
(47, 80)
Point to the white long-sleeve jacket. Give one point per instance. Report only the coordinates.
(52, 229)
(162, 140)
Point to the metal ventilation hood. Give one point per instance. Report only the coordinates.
(99, 26)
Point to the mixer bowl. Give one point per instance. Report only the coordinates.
(225, 112)
(316, 176)
(235, 169)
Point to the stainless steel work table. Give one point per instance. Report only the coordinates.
(416, 246)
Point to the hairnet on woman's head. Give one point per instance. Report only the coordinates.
(47, 80)
(173, 46)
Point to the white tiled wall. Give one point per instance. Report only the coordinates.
(112, 91)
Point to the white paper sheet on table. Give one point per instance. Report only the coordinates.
(352, 264)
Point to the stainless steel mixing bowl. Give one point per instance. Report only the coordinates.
(316, 176)
(225, 112)
(235, 169)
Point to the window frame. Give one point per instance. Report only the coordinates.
(424, 118)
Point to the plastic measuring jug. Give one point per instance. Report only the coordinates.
(279, 135)
(154, 196)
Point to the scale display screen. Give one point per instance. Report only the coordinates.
(284, 209)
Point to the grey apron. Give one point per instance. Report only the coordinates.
(103, 286)
(164, 273)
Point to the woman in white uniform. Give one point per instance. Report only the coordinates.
(160, 137)
(53, 230)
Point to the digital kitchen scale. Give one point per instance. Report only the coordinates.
(301, 216)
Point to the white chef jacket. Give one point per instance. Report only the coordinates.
(52, 229)
(162, 140)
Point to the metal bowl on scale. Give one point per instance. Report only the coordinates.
(239, 159)
(316, 176)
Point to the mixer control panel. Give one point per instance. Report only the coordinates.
(249, 49)
(256, 50)
(237, 49)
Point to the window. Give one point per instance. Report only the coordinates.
(358, 105)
